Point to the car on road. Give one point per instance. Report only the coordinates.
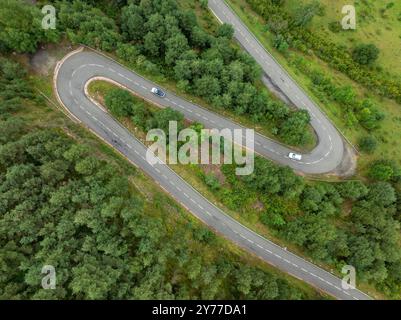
(158, 92)
(295, 156)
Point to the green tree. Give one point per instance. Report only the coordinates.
(381, 171)
(88, 25)
(294, 129)
(152, 44)
(365, 54)
(11, 129)
(353, 190)
(127, 52)
(304, 14)
(200, 38)
(162, 118)
(139, 114)
(132, 22)
(368, 115)
(225, 30)
(14, 87)
(120, 102)
(312, 232)
(367, 144)
(175, 46)
(280, 43)
(207, 87)
(381, 194)
(212, 182)
(20, 27)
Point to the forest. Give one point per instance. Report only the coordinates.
(62, 203)
(166, 39)
(92, 222)
(340, 223)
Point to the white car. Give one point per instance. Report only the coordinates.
(295, 156)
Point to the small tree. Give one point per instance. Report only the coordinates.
(381, 171)
(367, 144)
(365, 54)
(304, 14)
(204, 3)
(225, 30)
(119, 102)
(280, 43)
(212, 182)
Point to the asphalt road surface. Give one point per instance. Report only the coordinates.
(77, 69)
(329, 152)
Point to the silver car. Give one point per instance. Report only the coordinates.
(158, 92)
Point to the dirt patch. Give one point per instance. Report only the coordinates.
(347, 167)
(346, 208)
(258, 206)
(42, 62)
(45, 59)
(187, 123)
(215, 170)
(99, 97)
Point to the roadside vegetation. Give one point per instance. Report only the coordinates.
(352, 222)
(335, 224)
(321, 58)
(168, 41)
(292, 27)
(69, 201)
(340, 74)
(378, 26)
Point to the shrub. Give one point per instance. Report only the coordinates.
(335, 26)
(367, 144)
(365, 54)
(381, 171)
(212, 182)
(119, 102)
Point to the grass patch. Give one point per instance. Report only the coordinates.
(378, 22)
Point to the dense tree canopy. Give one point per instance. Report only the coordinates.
(206, 65)
(120, 102)
(61, 205)
(343, 223)
(21, 29)
(88, 25)
(13, 87)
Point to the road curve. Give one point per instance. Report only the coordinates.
(329, 152)
(77, 69)
(71, 77)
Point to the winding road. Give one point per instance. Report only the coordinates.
(329, 152)
(77, 69)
